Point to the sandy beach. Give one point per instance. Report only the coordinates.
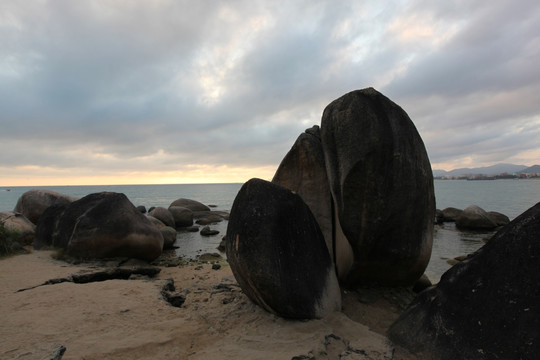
(129, 319)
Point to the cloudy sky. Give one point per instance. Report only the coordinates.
(126, 92)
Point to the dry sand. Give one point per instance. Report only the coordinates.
(128, 319)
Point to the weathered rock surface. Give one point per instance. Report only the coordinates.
(169, 236)
(303, 171)
(382, 185)
(485, 307)
(278, 254)
(192, 205)
(106, 225)
(47, 226)
(498, 218)
(209, 219)
(34, 202)
(475, 218)
(206, 231)
(183, 217)
(163, 215)
(450, 214)
(23, 229)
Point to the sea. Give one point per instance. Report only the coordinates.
(510, 197)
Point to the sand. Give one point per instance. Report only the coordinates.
(129, 319)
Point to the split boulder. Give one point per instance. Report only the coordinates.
(381, 183)
(278, 254)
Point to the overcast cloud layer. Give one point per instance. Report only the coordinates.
(169, 89)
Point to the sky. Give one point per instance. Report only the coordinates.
(148, 92)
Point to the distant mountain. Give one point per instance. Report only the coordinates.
(488, 170)
(532, 169)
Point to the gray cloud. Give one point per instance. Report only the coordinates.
(160, 85)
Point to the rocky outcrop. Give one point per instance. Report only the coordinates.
(278, 254)
(192, 205)
(475, 218)
(183, 217)
(486, 306)
(34, 202)
(104, 225)
(22, 229)
(303, 171)
(381, 183)
(163, 215)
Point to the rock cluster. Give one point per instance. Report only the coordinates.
(102, 225)
(365, 178)
(472, 218)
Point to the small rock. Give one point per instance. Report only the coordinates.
(216, 266)
(206, 231)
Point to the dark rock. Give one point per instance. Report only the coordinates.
(278, 255)
(450, 214)
(190, 204)
(221, 246)
(169, 236)
(382, 185)
(303, 171)
(216, 266)
(34, 202)
(168, 293)
(209, 219)
(47, 226)
(422, 284)
(163, 215)
(158, 223)
(485, 307)
(498, 218)
(142, 209)
(475, 218)
(107, 225)
(183, 217)
(439, 217)
(194, 228)
(210, 257)
(206, 231)
(22, 229)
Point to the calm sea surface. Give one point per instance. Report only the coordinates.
(510, 197)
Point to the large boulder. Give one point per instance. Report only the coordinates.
(162, 215)
(278, 254)
(303, 171)
(485, 307)
(498, 218)
(105, 225)
(192, 205)
(183, 217)
(382, 186)
(47, 226)
(34, 202)
(475, 218)
(22, 229)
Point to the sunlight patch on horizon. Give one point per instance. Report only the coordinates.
(191, 174)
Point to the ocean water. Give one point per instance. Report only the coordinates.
(510, 197)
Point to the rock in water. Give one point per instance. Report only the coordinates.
(278, 254)
(475, 218)
(303, 171)
(34, 202)
(105, 225)
(485, 307)
(382, 185)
